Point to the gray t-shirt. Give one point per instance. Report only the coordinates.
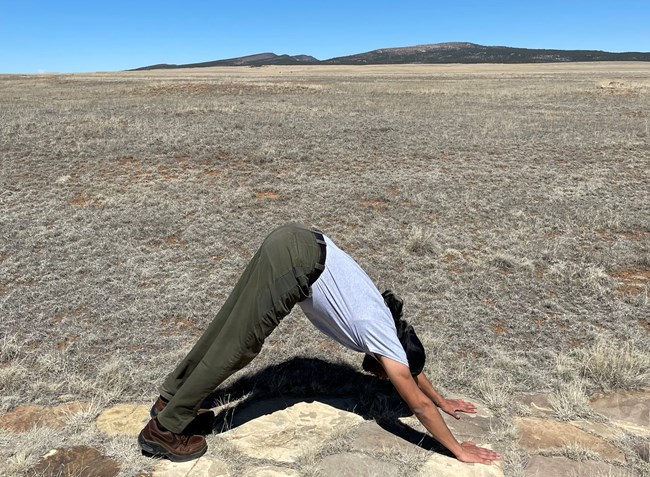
(346, 306)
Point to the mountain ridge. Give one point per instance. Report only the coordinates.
(432, 53)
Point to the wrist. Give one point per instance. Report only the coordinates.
(439, 401)
(457, 450)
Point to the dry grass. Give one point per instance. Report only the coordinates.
(508, 205)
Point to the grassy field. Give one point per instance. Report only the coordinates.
(508, 205)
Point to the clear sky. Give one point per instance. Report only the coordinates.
(100, 35)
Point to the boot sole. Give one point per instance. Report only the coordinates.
(156, 450)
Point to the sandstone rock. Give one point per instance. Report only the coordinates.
(470, 427)
(601, 429)
(474, 427)
(628, 409)
(247, 413)
(370, 437)
(443, 466)
(285, 435)
(539, 434)
(539, 404)
(25, 418)
(540, 466)
(203, 467)
(355, 465)
(271, 471)
(123, 419)
(78, 461)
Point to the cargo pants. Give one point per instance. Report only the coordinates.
(279, 275)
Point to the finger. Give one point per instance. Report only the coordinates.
(488, 454)
(466, 407)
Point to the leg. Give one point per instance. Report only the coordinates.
(278, 276)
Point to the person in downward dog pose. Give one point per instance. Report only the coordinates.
(296, 264)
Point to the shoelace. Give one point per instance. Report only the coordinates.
(185, 438)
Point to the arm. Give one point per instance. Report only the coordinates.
(450, 406)
(427, 413)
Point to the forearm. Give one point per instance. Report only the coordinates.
(428, 390)
(431, 419)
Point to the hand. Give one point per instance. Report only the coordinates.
(470, 452)
(453, 406)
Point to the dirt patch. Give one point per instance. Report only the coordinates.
(632, 281)
(499, 328)
(450, 257)
(80, 461)
(553, 234)
(374, 203)
(176, 324)
(25, 418)
(82, 200)
(174, 241)
(635, 235)
(645, 324)
(66, 342)
(269, 195)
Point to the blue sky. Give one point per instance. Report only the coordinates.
(75, 36)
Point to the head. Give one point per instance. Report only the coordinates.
(414, 354)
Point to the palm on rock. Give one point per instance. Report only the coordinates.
(473, 453)
(454, 406)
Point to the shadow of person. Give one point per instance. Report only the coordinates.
(300, 379)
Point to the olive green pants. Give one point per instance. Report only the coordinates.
(278, 276)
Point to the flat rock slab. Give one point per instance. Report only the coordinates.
(355, 465)
(257, 409)
(469, 427)
(629, 409)
(601, 429)
(541, 434)
(25, 418)
(270, 471)
(283, 436)
(475, 427)
(78, 461)
(539, 404)
(203, 467)
(540, 466)
(123, 419)
(371, 437)
(443, 466)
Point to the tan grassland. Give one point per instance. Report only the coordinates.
(508, 205)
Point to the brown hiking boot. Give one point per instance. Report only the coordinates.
(155, 440)
(158, 406)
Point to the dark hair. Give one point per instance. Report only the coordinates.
(405, 333)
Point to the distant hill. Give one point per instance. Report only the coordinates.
(260, 59)
(426, 54)
(473, 53)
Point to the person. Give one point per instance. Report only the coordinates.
(298, 265)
